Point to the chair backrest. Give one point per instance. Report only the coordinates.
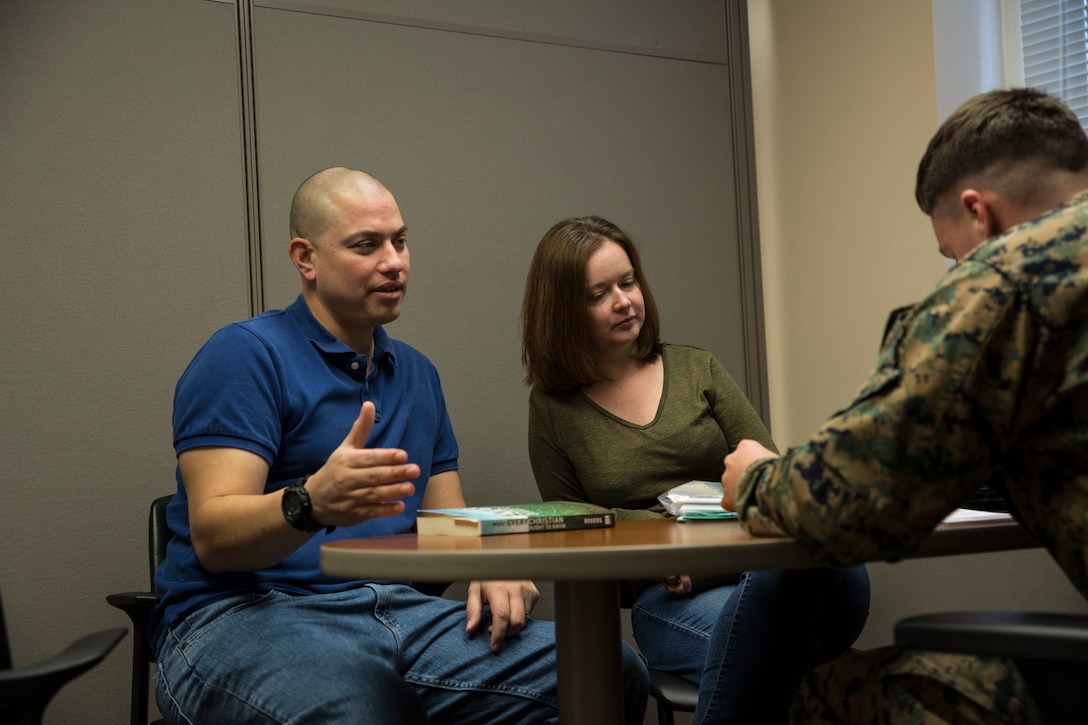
(158, 535)
(5, 648)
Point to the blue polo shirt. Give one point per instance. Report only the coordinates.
(281, 386)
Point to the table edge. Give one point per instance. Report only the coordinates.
(583, 563)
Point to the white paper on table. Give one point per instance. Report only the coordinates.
(693, 492)
(960, 515)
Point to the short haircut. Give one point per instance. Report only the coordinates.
(556, 345)
(311, 209)
(1002, 127)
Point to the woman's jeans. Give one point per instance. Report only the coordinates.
(380, 654)
(748, 645)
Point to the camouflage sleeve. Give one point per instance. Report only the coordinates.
(881, 473)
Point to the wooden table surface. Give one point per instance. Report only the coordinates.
(632, 549)
(586, 566)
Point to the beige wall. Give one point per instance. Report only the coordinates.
(844, 101)
(844, 97)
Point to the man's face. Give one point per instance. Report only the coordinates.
(951, 240)
(361, 262)
(953, 226)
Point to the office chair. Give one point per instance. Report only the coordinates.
(139, 607)
(672, 695)
(26, 691)
(1050, 650)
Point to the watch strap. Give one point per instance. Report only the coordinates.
(303, 520)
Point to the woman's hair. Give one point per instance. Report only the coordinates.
(556, 346)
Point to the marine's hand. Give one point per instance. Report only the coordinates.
(510, 603)
(359, 483)
(677, 584)
(745, 454)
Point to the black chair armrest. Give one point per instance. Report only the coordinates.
(134, 604)
(1020, 635)
(34, 685)
(139, 607)
(133, 601)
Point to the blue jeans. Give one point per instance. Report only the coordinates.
(380, 654)
(748, 645)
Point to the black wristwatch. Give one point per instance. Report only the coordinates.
(298, 510)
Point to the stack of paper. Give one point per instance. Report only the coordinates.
(959, 515)
(696, 501)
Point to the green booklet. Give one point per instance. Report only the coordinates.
(514, 519)
(704, 512)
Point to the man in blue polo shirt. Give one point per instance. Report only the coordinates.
(309, 424)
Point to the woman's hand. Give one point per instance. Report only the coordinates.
(677, 584)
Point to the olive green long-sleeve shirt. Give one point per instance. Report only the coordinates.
(580, 452)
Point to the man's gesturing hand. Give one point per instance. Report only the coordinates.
(359, 483)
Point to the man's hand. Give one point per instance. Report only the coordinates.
(359, 483)
(510, 602)
(677, 584)
(745, 454)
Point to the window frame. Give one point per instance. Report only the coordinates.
(1063, 71)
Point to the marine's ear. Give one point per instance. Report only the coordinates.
(983, 210)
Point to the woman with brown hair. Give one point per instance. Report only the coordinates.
(617, 418)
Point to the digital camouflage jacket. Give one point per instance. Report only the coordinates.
(985, 382)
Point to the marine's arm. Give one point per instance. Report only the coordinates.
(880, 474)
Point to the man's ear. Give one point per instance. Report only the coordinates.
(982, 212)
(302, 254)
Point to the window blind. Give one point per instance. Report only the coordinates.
(1054, 37)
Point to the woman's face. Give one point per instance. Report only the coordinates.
(613, 298)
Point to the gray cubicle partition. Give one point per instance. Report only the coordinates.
(490, 133)
(130, 178)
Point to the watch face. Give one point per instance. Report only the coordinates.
(292, 505)
(295, 509)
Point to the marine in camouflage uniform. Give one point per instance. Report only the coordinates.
(985, 382)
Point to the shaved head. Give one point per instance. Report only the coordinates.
(312, 206)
